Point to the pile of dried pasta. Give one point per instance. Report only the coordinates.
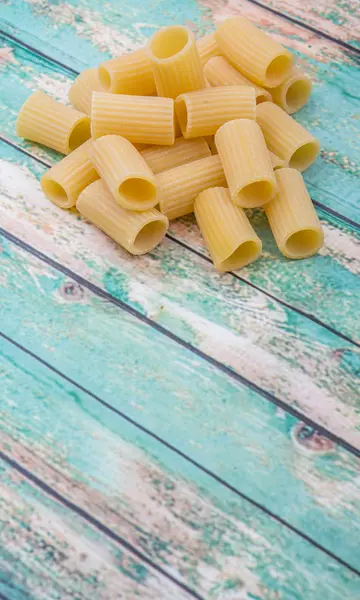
(186, 126)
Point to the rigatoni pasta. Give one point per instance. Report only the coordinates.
(140, 119)
(162, 158)
(201, 113)
(63, 183)
(44, 120)
(137, 232)
(219, 72)
(80, 93)
(128, 74)
(292, 217)
(293, 93)
(287, 138)
(253, 52)
(128, 177)
(178, 187)
(208, 47)
(175, 61)
(228, 234)
(276, 162)
(246, 162)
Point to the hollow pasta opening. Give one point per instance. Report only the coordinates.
(149, 236)
(304, 156)
(303, 243)
(56, 193)
(297, 95)
(80, 134)
(243, 255)
(137, 190)
(256, 194)
(105, 78)
(277, 70)
(263, 97)
(169, 42)
(182, 114)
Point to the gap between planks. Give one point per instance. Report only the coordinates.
(107, 531)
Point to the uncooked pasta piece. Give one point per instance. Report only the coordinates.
(128, 74)
(292, 217)
(277, 163)
(63, 183)
(175, 61)
(125, 172)
(246, 162)
(293, 93)
(138, 232)
(219, 72)
(228, 234)
(162, 158)
(208, 47)
(287, 138)
(46, 121)
(253, 52)
(80, 93)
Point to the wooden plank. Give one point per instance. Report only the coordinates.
(192, 526)
(47, 552)
(187, 402)
(339, 20)
(89, 32)
(220, 315)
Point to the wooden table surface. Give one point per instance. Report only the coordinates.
(167, 432)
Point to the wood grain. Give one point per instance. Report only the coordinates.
(194, 528)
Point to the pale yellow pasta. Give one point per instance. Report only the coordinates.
(253, 52)
(293, 93)
(209, 139)
(201, 113)
(208, 47)
(228, 234)
(137, 232)
(162, 158)
(276, 162)
(140, 119)
(178, 187)
(128, 74)
(219, 72)
(292, 217)
(287, 138)
(63, 183)
(46, 121)
(246, 162)
(175, 61)
(125, 172)
(80, 93)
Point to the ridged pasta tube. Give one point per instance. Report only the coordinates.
(201, 113)
(80, 93)
(219, 72)
(175, 61)
(276, 162)
(46, 121)
(293, 93)
(228, 234)
(287, 138)
(208, 47)
(137, 232)
(292, 217)
(63, 183)
(253, 52)
(178, 187)
(128, 74)
(162, 158)
(140, 119)
(246, 162)
(125, 172)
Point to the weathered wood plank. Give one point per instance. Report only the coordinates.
(340, 20)
(88, 32)
(192, 526)
(220, 423)
(47, 552)
(222, 316)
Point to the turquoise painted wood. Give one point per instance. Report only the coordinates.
(90, 35)
(192, 526)
(254, 447)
